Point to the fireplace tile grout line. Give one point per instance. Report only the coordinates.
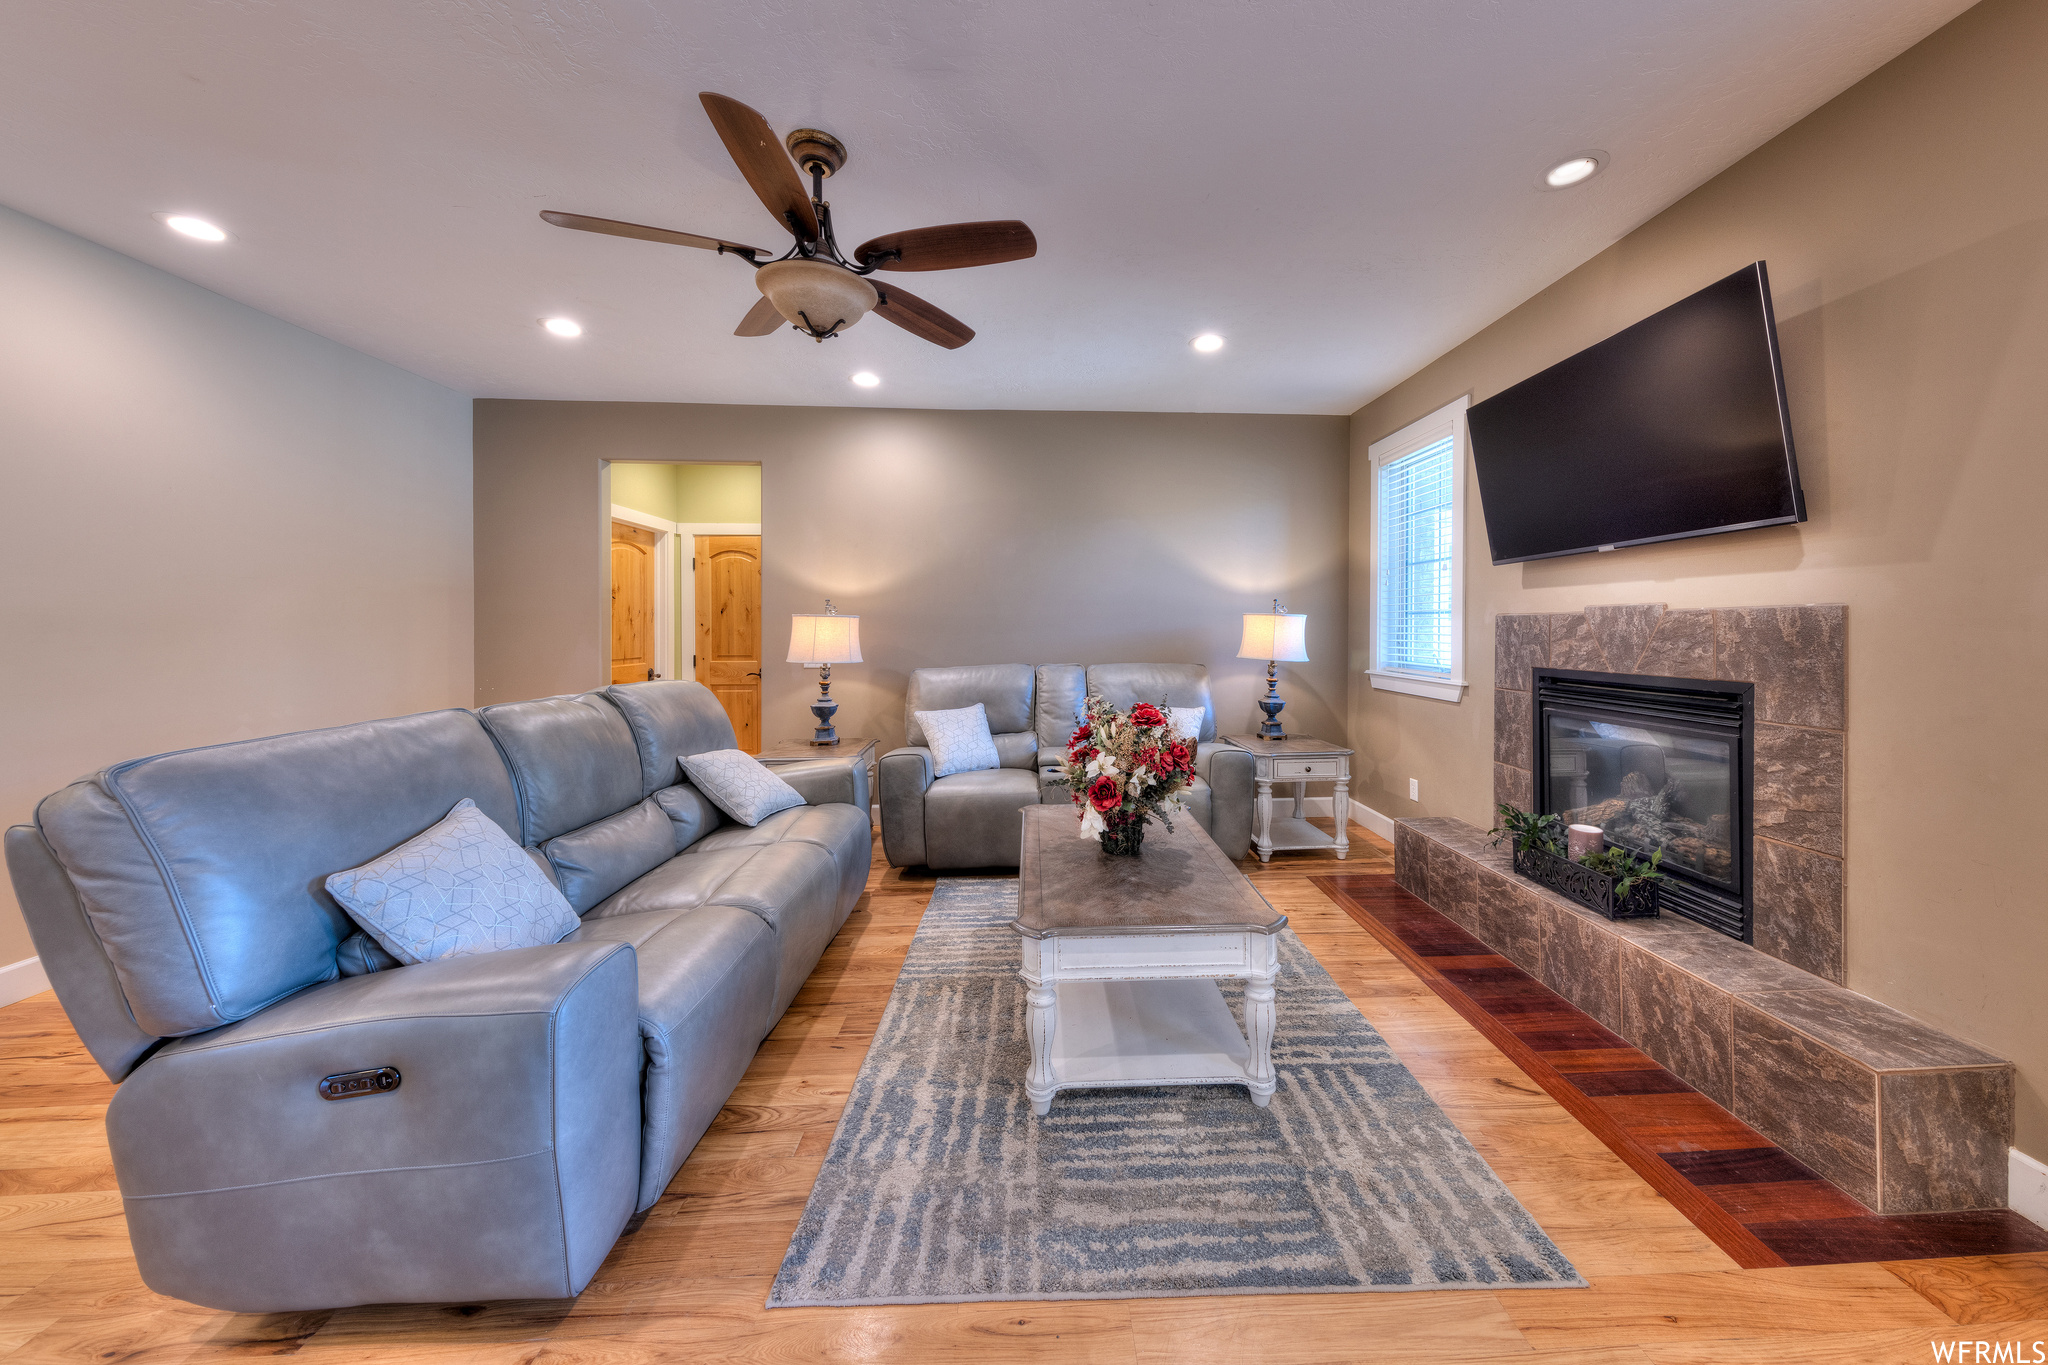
(1855, 1238)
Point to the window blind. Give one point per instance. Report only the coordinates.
(1415, 561)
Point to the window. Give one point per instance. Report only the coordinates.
(1418, 557)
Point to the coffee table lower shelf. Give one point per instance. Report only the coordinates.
(1122, 1033)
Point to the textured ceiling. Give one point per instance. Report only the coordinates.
(1343, 188)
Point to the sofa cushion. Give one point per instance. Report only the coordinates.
(458, 888)
(670, 719)
(690, 812)
(740, 784)
(200, 872)
(573, 759)
(593, 862)
(1125, 685)
(960, 740)
(1004, 690)
(707, 984)
(684, 882)
(971, 819)
(793, 888)
(1062, 690)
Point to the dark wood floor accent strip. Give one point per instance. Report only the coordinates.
(1379, 906)
(1752, 1198)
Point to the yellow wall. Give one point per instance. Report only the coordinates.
(718, 492)
(1906, 229)
(649, 488)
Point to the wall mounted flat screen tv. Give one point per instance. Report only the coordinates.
(1674, 427)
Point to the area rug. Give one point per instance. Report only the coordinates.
(941, 1187)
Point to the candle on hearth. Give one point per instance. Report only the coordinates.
(1583, 839)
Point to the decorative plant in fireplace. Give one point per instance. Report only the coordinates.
(1612, 881)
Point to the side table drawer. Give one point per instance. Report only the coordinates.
(1150, 954)
(1294, 769)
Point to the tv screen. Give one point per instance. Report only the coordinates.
(1674, 427)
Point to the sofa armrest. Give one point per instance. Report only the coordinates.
(828, 781)
(904, 775)
(503, 1163)
(1232, 775)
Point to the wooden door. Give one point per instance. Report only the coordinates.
(633, 599)
(729, 629)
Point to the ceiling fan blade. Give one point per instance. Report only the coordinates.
(760, 320)
(647, 234)
(920, 319)
(949, 247)
(758, 153)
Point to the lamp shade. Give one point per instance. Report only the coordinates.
(826, 639)
(1277, 635)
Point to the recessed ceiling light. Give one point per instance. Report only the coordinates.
(1207, 342)
(1574, 170)
(867, 379)
(563, 327)
(197, 228)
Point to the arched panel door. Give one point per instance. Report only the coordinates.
(728, 574)
(633, 598)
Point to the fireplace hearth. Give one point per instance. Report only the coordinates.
(1657, 764)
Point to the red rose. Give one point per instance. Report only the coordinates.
(1104, 794)
(1183, 757)
(1147, 715)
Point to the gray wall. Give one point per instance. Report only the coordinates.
(1909, 262)
(959, 537)
(213, 525)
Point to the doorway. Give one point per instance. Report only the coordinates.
(698, 526)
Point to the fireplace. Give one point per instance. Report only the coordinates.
(1656, 763)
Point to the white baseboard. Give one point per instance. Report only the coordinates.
(1360, 813)
(2027, 1187)
(20, 980)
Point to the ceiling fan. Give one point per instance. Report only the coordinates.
(812, 286)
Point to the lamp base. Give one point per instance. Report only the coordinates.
(1271, 704)
(824, 708)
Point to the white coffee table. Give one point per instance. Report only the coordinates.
(1122, 956)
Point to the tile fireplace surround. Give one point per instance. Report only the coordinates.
(1794, 657)
(1897, 1114)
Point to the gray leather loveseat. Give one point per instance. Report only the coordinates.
(535, 1098)
(970, 819)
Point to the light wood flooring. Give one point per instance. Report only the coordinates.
(689, 1283)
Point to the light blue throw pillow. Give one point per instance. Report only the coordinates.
(462, 886)
(740, 784)
(959, 740)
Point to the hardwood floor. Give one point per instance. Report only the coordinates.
(689, 1283)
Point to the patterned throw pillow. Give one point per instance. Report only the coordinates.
(1186, 721)
(462, 886)
(959, 740)
(739, 785)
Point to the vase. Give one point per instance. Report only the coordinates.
(1123, 838)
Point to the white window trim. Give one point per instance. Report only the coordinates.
(1447, 420)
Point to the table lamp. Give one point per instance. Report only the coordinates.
(1278, 637)
(827, 638)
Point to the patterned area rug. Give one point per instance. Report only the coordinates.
(940, 1186)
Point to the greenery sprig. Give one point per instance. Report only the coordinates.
(1530, 831)
(1628, 871)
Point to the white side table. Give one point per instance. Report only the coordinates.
(1299, 759)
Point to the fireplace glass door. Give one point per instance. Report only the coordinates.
(1649, 785)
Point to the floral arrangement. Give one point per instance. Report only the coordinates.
(1124, 768)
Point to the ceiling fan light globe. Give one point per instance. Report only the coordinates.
(817, 296)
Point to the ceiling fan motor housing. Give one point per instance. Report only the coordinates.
(813, 149)
(816, 296)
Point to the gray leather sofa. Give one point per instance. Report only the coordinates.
(970, 819)
(544, 1094)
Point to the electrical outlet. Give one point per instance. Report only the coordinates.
(1414, 789)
